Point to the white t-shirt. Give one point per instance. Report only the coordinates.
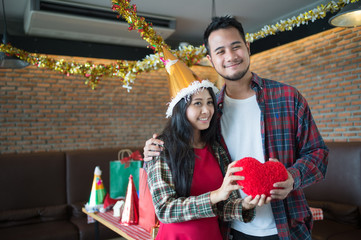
(241, 129)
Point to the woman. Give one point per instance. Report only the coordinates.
(191, 186)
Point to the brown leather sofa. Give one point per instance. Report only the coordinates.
(339, 195)
(42, 194)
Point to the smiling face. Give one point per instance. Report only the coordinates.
(229, 54)
(200, 110)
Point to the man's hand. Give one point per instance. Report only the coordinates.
(152, 148)
(284, 188)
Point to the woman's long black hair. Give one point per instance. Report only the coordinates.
(178, 136)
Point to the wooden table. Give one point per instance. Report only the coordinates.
(132, 232)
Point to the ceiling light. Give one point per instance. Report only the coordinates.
(11, 62)
(349, 16)
(5, 60)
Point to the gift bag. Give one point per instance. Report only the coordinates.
(147, 217)
(128, 163)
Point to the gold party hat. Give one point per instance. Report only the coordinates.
(182, 81)
(130, 215)
(179, 75)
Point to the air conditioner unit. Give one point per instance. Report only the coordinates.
(74, 21)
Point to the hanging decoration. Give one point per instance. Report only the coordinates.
(145, 29)
(128, 70)
(303, 18)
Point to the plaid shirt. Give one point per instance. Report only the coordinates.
(289, 134)
(172, 209)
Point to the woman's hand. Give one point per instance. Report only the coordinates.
(229, 184)
(259, 200)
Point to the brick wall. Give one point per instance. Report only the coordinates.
(326, 69)
(43, 110)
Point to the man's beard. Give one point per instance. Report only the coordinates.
(237, 76)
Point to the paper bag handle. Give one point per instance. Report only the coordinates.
(122, 152)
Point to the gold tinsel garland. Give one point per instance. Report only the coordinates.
(127, 70)
(145, 29)
(287, 25)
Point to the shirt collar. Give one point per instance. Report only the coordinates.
(256, 84)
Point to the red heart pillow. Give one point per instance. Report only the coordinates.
(258, 177)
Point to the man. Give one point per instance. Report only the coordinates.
(263, 119)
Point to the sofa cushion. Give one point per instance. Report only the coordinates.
(35, 180)
(325, 229)
(349, 235)
(76, 209)
(338, 212)
(343, 176)
(56, 230)
(87, 230)
(80, 171)
(11, 218)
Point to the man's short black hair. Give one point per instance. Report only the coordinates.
(222, 23)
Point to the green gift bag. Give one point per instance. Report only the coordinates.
(121, 169)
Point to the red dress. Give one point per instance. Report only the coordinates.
(207, 177)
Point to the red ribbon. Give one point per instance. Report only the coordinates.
(135, 156)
